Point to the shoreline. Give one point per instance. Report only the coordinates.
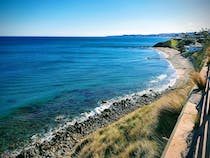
(181, 65)
(66, 137)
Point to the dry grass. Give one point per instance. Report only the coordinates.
(208, 61)
(208, 51)
(208, 55)
(199, 80)
(139, 134)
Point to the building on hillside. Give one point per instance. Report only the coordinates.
(193, 47)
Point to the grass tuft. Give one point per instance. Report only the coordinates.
(208, 51)
(208, 61)
(199, 80)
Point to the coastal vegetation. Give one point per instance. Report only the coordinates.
(208, 58)
(172, 43)
(144, 132)
(199, 80)
(176, 43)
(198, 56)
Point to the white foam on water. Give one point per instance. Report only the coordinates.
(159, 78)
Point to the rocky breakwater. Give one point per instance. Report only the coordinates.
(61, 141)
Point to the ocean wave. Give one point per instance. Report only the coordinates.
(159, 78)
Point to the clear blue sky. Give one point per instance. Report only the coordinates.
(101, 17)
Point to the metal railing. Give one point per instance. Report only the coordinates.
(202, 137)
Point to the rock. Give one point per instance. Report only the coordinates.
(59, 118)
(103, 102)
(67, 134)
(145, 95)
(68, 138)
(107, 111)
(78, 127)
(52, 149)
(127, 100)
(122, 102)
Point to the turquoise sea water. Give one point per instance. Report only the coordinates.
(42, 78)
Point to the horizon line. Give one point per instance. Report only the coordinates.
(95, 35)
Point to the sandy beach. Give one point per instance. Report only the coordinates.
(62, 140)
(182, 65)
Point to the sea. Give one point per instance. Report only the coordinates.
(46, 78)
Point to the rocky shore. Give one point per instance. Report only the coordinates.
(63, 140)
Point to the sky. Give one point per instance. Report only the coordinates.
(101, 17)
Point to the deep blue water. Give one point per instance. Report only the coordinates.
(41, 78)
